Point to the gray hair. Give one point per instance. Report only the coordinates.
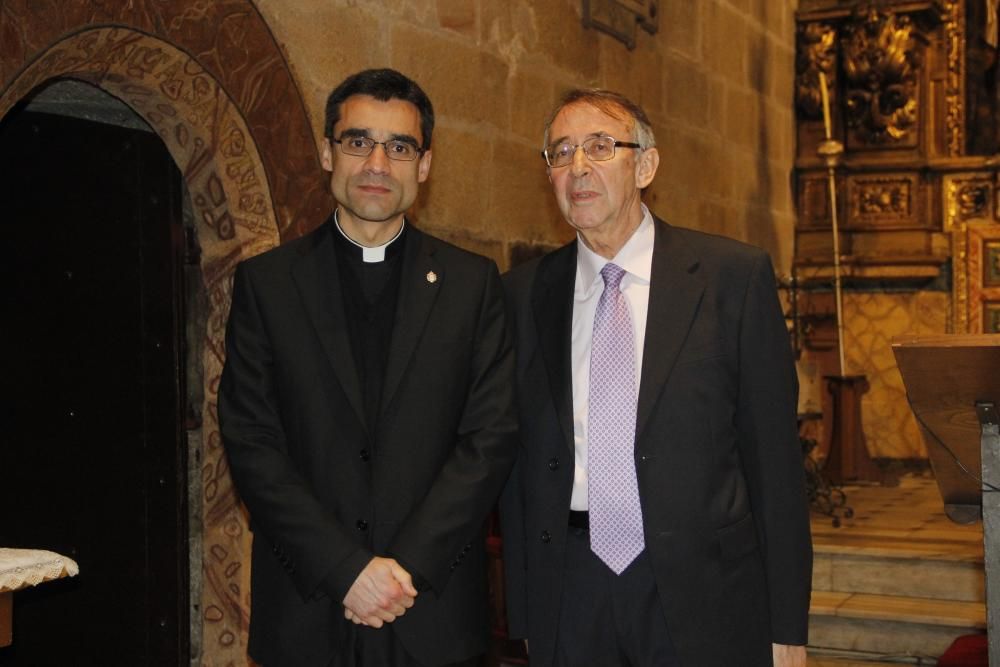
(611, 103)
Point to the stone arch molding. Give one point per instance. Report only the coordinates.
(193, 115)
(234, 122)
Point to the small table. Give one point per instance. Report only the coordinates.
(21, 568)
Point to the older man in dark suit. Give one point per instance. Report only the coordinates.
(367, 411)
(657, 514)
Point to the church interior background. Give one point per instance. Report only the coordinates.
(209, 111)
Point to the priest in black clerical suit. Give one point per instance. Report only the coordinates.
(366, 409)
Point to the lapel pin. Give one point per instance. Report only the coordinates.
(432, 277)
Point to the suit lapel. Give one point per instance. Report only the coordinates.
(552, 303)
(419, 283)
(318, 280)
(675, 290)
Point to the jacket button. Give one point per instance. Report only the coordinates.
(365, 455)
(362, 524)
(553, 464)
(546, 537)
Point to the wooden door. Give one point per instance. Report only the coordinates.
(92, 452)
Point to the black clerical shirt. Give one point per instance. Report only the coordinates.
(370, 291)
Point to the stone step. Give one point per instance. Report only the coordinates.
(920, 569)
(896, 578)
(888, 624)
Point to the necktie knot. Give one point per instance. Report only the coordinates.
(612, 274)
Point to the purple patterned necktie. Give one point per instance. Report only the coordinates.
(615, 514)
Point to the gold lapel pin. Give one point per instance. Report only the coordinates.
(432, 277)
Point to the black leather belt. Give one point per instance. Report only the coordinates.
(579, 520)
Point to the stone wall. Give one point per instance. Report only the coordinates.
(716, 81)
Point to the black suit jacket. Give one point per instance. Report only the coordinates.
(718, 459)
(326, 491)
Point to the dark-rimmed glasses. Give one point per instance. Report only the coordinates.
(395, 149)
(597, 149)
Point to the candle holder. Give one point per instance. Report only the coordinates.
(847, 458)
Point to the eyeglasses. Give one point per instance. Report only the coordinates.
(597, 149)
(395, 149)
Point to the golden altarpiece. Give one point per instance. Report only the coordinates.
(915, 101)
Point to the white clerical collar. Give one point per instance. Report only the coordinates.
(369, 254)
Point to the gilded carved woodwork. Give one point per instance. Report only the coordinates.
(815, 53)
(991, 264)
(967, 197)
(992, 318)
(814, 202)
(970, 214)
(896, 103)
(983, 270)
(881, 58)
(972, 200)
(886, 200)
(917, 210)
(954, 96)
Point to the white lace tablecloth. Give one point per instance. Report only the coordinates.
(20, 568)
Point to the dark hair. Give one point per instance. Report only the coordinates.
(612, 104)
(383, 85)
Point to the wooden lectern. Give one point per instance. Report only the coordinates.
(953, 385)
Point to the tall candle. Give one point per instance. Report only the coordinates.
(826, 104)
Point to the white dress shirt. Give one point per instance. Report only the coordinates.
(636, 257)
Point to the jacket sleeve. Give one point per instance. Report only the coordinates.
(515, 574)
(512, 511)
(772, 455)
(315, 550)
(469, 482)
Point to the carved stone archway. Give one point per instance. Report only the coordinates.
(209, 78)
